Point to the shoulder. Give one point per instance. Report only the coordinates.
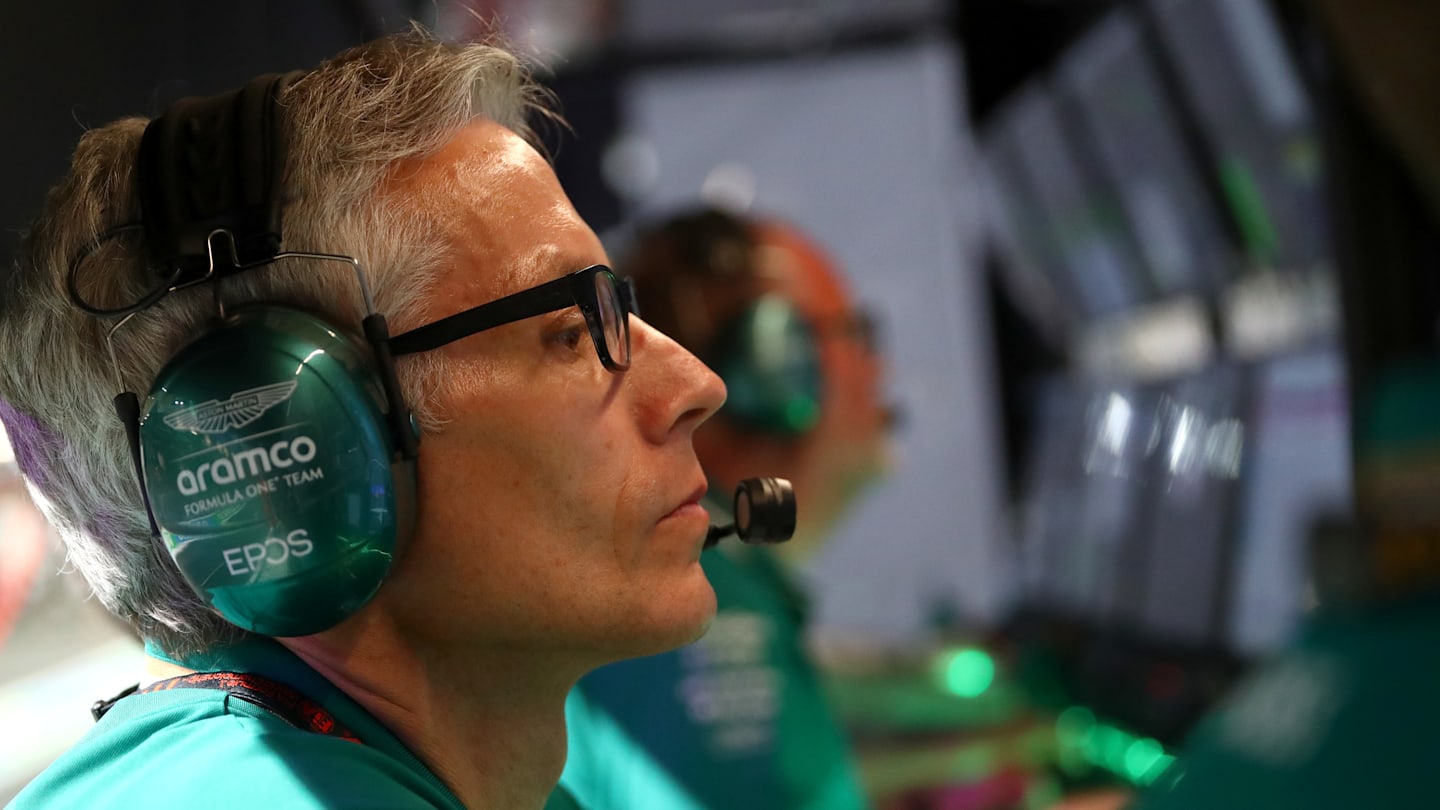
(606, 767)
(203, 748)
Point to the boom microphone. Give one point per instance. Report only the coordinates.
(764, 513)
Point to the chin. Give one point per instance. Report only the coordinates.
(700, 629)
(690, 624)
(672, 622)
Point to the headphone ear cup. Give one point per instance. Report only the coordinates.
(770, 363)
(268, 459)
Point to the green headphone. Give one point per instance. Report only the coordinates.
(271, 471)
(275, 451)
(769, 360)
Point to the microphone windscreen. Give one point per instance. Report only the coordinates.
(765, 510)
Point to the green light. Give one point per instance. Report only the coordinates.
(1074, 725)
(1108, 747)
(1157, 770)
(1141, 757)
(1084, 742)
(1072, 734)
(1248, 206)
(967, 673)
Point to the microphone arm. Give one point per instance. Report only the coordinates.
(764, 513)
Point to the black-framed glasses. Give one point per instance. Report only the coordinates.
(604, 300)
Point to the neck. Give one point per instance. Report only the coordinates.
(157, 670)
(490, 725)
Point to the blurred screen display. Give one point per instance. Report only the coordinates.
(1085, 482)
(1297, 468)
(1078, 231)
(1127, 116)
(1182, 511)
(1245, 90)
(1195, 467)
(1119, 439)
(1022, 230)
(1052, 492)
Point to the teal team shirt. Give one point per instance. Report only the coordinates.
(1347, 718)
(738, 719)
(201, 748)
(605, 767)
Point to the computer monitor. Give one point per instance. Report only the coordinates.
(1019, 228)
(1085, 485)
(1120, 425)
(1297, 468)
(1237, 75)
(1089, 251)
(1050, 493)
(1184, 558)
(1123, 111)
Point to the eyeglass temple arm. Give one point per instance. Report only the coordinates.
(548, 297)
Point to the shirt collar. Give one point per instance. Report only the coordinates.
(270, 659)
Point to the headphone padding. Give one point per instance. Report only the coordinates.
(770, 363)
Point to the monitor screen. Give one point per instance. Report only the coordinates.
(1093, 256)
(1124, 113)
(1021, 229)
(1084, 486)
(1235, 70)
(1050, 491)
(1120, 425)
(1297, 468)
(1183, 558)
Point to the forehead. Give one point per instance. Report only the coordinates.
(500, 212)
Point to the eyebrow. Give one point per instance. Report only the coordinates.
(547, 260)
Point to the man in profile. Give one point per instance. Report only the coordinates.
(511, 503)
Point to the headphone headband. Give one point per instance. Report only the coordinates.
(214, 164)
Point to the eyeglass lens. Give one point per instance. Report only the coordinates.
(612, 319)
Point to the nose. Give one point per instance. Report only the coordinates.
(677, 391)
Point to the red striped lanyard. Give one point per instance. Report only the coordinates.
(276, 698)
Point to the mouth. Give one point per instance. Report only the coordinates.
(690, 507)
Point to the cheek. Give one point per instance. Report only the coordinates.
(493, 471)
(554, 464)
(498, 539)
(632, 501)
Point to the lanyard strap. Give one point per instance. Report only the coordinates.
(276, 698)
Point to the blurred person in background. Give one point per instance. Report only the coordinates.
(738, 719)
(337, 612)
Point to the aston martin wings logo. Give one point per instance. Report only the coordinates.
(242, 408)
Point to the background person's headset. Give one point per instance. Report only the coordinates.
(767, 353)
(275, 451)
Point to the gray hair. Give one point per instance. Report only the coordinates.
(348, 124)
